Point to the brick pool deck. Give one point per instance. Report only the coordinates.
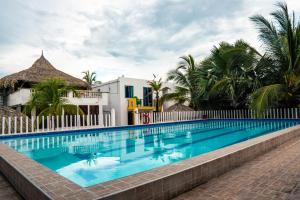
(274, 175)
(7, 192)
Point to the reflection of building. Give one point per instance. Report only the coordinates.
(130, 145)
(16, 89)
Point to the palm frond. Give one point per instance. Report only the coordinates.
(267, 96)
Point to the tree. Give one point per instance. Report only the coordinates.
(47, 98)
(229, 74)
(281, 39)
(89, 77)
(157, 87)
(186, 76)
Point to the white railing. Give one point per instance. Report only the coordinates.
(159, 117)
(21, 124)
(276, 113)
(86, 94)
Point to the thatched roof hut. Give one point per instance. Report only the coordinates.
(178, 107)
(41, 70)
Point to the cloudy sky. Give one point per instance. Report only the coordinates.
(135, 38)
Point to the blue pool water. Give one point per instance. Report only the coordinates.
(91, 157)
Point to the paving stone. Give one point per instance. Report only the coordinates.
(274, 175)
(7, 192)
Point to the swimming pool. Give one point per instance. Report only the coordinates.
(96, 156)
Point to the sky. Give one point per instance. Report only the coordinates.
(135, 38)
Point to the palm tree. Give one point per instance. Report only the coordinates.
(47, 98)
(89, 77)
(281, 39)
(229, 74)
(156, 86)
(186, 76)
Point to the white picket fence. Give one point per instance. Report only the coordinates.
(159, 117)
(14, 125)
(276, 113)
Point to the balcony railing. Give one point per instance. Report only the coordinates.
(86, 94)
(80, 94)
(139, 103)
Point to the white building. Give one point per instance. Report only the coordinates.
(122, 91)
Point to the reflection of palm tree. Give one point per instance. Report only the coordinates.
(91, 159)
(158, 151)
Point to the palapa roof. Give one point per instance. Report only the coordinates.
(41, 70)
(178, 107)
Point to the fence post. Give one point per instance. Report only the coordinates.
(43, 123)
(3, 125)
(32, 123)
(52, 121)
(83, 120)
(67, 124)
(57, 122)
(48, 123)
(9, 125)
(71, 121)
(78, 121)
(26, 124)
(113, 117)
(62, 119)
(15, 125)
(37, 123)
(21, 124)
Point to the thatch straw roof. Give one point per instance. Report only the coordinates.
(178, 107)
(41, 70)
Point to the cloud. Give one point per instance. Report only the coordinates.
(130, 37)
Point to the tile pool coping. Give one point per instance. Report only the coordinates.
(34, 181)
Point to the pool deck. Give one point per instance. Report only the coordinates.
(274, 175)
(7, 192)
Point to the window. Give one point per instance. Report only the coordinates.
(147, 96)
(128, 91)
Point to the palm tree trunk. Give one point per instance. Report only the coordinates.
(157, 99)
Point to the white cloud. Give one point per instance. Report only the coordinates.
(130, 37)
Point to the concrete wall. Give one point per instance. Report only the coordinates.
(19, 97)
(113, 91)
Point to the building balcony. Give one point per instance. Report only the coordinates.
(78, 97)
(140, 104)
